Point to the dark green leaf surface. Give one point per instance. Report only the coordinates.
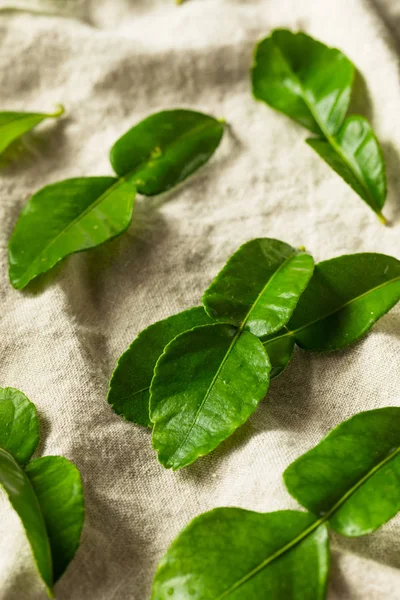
(354, 153)
(304, 79)
(23, 499)
(19, 427)
(345, 297)
(58, 488)
(238, 554)
(165, 148)
(15, 124)
(352, 477)
(67, 217)
(259, 286)
(207, 383)
(129, 392)
(279, 348)
(312, 83)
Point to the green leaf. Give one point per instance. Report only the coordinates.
(14, 124)
(23, 499)
(345, 297)
(259, 286)
(19, 427)
(354, 153)
(352, 477)
(67, 217)
(165, 148)
(129, 392)
(207, 383)
(279, 348)
(304, 79)
(242, 555)
(311, 83)
(58, 488)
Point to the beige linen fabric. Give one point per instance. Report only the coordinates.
(113, 62)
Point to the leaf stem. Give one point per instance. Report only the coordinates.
(382, 218)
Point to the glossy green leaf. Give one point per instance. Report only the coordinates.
(23, 499)
(165, 148)
(345, 297)
(311, 83)
(259, 286)
(58, 488)
(242, 555)
(67, 217)
(14, 124)
(304, 79)
(46, 493)
(19, 427)
(354, 153)
(207, 383)
(352, 477)
(129, 392)
(279, 348)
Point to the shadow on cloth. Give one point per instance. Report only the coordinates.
(43, 149)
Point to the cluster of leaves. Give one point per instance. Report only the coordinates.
(81, 213)
(350, 482)
(198, 375)
(45, 492)
(13, 125)
(312, 83)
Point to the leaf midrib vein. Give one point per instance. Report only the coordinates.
(119, 181)
(293, 333)
(312, 527)
(176, 141)
(49, 589)
(87, 210)
(237, 335)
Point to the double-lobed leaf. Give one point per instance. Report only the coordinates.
(231, 553)
(209, 378)
(345, 297)
(78, 214)
(46, 493)
(312, 83)
(15, 124)
(350, 480)
(185, 369)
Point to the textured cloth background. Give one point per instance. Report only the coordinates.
(113, 62)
